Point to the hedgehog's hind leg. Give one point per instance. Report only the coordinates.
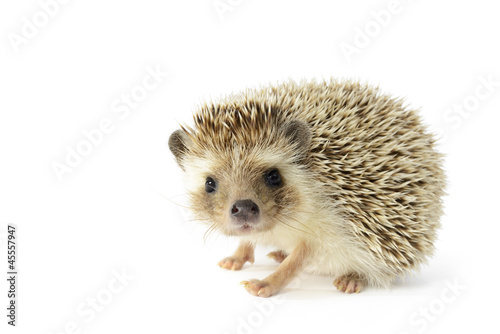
(278, 256)
(349, 283)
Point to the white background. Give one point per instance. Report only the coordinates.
(115, 211)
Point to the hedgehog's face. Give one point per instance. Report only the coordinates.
(240, 190)
(240, 198)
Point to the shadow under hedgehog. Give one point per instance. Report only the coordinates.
(341, 179)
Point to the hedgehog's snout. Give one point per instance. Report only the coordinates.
(245, 212)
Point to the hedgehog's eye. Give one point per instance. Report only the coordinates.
(210, 185)
(273, 178)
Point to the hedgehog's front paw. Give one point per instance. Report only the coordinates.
(232, 263)
(259, 288)
(348, 283)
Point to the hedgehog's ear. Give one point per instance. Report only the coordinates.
(178, 144)
(298, 133)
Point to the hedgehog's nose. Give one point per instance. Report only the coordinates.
(245, 211)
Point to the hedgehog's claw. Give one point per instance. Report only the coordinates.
(259, 288)
(231, 263)
(348, 284)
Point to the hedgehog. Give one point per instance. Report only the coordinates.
(339, 178)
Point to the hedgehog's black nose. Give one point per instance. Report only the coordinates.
(245, 211)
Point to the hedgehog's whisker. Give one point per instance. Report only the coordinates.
(168, 199)
(178, 195)
(217, 234)
(209, 231)
(302, 224)
(293, 227)
(195, 220)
